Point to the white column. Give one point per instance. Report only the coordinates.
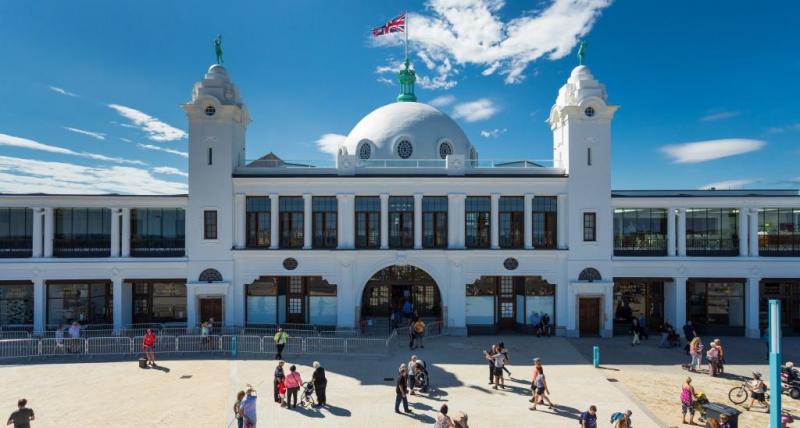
(49, 231)
(117, 298)
(345, 296)
(240, 220)
(456, 300)
(741, 230)
(562, 219)
(753, 232)
(455, 220)
(671, 244)
(307, 221)
(126, 232)
(384, 221)
(191, 306)
(751, 302)
(38, 230)
(680, 302)
(115, 233)
(528, 220)
(681, 233)
(669, 303)
(345, 220)
(418, 221)
(495, 220)
(274, 232)
(39, 305)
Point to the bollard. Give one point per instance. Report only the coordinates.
(233, 347)
(596, 356)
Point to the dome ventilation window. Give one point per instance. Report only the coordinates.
(365, 151)
(445, 149)
(404, 149)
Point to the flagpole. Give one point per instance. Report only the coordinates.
(406, 14)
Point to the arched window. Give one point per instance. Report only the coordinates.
(365, 151)
(210, 275)
(445, 149)
(404, 149)
(590, 274)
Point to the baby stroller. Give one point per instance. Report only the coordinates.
(700, 399)
(307, 396)
(421, 378)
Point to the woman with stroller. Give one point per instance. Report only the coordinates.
(293, 382)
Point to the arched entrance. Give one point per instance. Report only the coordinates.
(389, 288)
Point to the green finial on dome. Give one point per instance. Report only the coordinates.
(407, 78)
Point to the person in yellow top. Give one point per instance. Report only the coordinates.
(280, 341)
(419, 332)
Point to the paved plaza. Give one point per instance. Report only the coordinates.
(199, 393)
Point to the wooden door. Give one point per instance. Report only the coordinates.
(506, 306)
(211, 308)
(295, 300)
(589, 313)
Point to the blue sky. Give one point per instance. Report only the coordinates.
(720, 74)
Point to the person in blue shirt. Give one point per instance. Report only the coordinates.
(588, 418)
(248, 407)
(408, 309)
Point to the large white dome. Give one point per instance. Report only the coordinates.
(390, 131)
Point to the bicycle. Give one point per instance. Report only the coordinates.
(740, 394)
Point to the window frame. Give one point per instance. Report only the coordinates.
(511, 212)
(210, 225)
(482, 238)
(324, 225)
(401, 222)
(258, 222)
(435, 221)
(589, 226)
(367, 213)
(544, 213)
(291, 222)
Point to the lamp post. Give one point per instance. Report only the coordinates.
(775, 362)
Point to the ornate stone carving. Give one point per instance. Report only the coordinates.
(210, 275)
(510, 263)
(290, 263)
(590, 274)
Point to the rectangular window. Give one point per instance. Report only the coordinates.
(477, 219)
(512, 213)
(158, 301)
(158, 232)
(325, 212)
(545, 214)
(16, 232)
(262, 301)
(779, 232)
(716, 303)
(401, 222)
(712, 232)
(210, 156)
(434, 221)
(16, 303)
(210, 224)
(368, 222)
(292, 210)
(589, 227)
(88, 302)
(640, 232)
(82, 232)
(258, 218)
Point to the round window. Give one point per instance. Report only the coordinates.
(445, 149)
(365, 151)
(404, 149)
(589, 112)
(210, 110)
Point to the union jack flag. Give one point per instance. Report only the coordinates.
(397, 25)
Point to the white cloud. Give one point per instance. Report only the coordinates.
(719, 115)
(155, 129)
(162, 149)
(12, 141)
(170, 170)
(462, 32)
(781, 129)
(62, 91)
(125, 140)
(442, 101)
(330, 143)
(98, 135)
(702, 151)
(386, 80)
(494, 133)
(474, 111)
(729, 184)
(18, 175)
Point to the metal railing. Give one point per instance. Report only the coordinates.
(16, 248)
(158, 248)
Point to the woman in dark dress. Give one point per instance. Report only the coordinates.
(320, 383)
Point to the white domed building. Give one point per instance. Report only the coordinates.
(406, 214)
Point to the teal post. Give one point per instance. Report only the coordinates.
(596, 356)
(233, 347)
(775, 363)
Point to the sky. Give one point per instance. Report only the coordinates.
(91, 89)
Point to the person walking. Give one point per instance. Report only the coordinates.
(248, 407)
(636, 331)
(505, 360)
(412, 371)
(696, 352)
(204, 331)
(588, 419)
(412, 335)
(74, 332)
(281, 338)
(293, 382)
(488, 356)
(276, 381)
(713, 358)
(408, 310)
(419, 331)
(22, 417)
(621, 419)
(687, 401)
(498, 359)
(537, 368)
(320, 383)
(541, 390)
(442, 420)
(401, 391)
(237, 409)
(758, 392)
(149, 347)
(721, 358)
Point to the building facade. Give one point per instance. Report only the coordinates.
(407, 212)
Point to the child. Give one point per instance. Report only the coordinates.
(282, 392)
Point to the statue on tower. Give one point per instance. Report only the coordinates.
(581, 51)
(218, 48)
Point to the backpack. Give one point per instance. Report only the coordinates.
(616, 416)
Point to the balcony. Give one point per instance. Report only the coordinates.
(70, 248)
(16, 248)
(712, 247)
(638, 246)
(158, 248)
(786, 244)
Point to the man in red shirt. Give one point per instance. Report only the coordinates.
(148, 347)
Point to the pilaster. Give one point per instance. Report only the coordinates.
(274, 231)
(115, 232)
(751, 302)
(384, 221)
(239, 221)
(37, 232)
(455, 220)
(753, 235)
(495, 220)
(671, 243)
(418, 221)
(561, 222)
(49, 232)
(125, 250)
(307, 221)
(346, 220)
(528, 220)
(682, 233)
(741, 230)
